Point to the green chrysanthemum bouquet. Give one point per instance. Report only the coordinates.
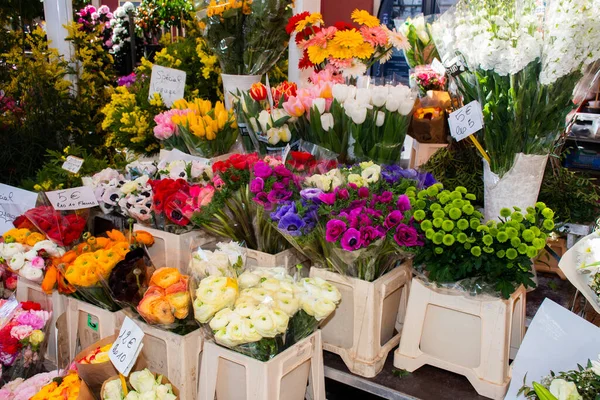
(458, 247)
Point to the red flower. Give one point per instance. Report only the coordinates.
(31, 305)
(22, 222)
(301, 156)
(343, 26)
(305, 62)
(8, 344)
(63, 230)
(306, 33)
(11, 282)
(258, 91)
(173, 207)
(291, 25)
(163, 189)
(221, 166)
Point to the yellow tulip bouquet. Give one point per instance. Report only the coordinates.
(207, 130)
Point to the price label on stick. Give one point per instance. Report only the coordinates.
(438, 67)
(73, 164)
(466, 121)
(72, 199)
(127, 347)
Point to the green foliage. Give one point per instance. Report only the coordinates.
(585, 379)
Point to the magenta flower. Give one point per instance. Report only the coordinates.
(261, 198)
(386, 197)
(363, 192)
(334, 229)
(403, 203)
(257, 185)
(282, 171)
(342, 193)
(369, 234)
(393, 219)
(351, 240)
(32, 320)
(407, 236)
(275, 196)
(327, 198)
(262, 170)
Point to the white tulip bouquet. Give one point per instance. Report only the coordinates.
(263, 312)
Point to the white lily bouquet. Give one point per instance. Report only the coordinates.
(263, 312)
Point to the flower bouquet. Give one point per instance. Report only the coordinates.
(522, 65)
(217, 262)
(421, 48)
(63, 228)
(27, 253)
(67, 387)
(24, 389)
(459, 250)
(262, 312)
(425, 78)
(23, 330)
(194, 171)
(350, 50)
(141, 385)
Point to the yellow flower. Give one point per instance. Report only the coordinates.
(317, 54)
(365, 50)
(350, 38)
(36, 337)
(339, 52)
(312, 19)
(363, 17)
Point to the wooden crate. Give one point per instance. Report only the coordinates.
(545, 262)
(362, 329)
(288, 258)
(229, 375)
(174, 356)
(87, 324)
(55, 302)
(172, 250)
(422, 152)
(470, 336)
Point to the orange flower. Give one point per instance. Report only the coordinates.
(116, 235)
(49, 279)
(143, 237)
(165, 277)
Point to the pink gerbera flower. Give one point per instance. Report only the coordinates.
(322, 37)
(374, 36)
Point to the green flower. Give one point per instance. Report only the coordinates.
(502, 237)
(462, 224)
(532, 252)
(530, 218)
(528, 235)
(461, 189)
(419, 215)
(517, 208)
(467, 246)
(458, 203)
(455, 213)
(505, 212)
(468, 209)
(438, 237)
(488, 250)
(432, 191)
(494, 231)
(488, 240)
(435, 206)
(548, 213)
(421, 204)
(456, 195)
(500, 254)
(538, 243)
(470, 196)
(426, 225)
(422, 195)
(448, 240)
(438, 222)
(483, 228)
(438, 250)
(512, 232)
(429, 233)
(461, 237)
(439, 214)
(474, 223)
(517, 216)
(444, 198)
(530, 210)
(515, 242)
(548, 224)
(448, 225)
(536, 231)
(511, 254)
(540, 205)
(476, 251)
(522, 248)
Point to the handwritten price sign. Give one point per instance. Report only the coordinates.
(127, 347)
(72, 164)
(72, 199)
(168, 82)
(13, 202)
(466, 121)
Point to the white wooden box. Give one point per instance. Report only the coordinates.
(362, 329)
(288, 258)
(57, 303)
(228, 375)
(172, 250)
(174, 356)
(422, 152)
(87, 324)
(470, 336)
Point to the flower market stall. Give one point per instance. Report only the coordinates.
(181, 220)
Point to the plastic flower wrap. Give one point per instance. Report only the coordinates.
(62, 388)
(27, 253)
(588, 264)
(20, 389)
(195, 171)
(427, 79)
(262, 312)
(350, 50)
(421, 48)
(23, 332)
(460, 250)
(63, 228)
(248, 37)
(141, 385)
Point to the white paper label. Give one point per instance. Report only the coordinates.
(73, 199)
(438, 67)
(168, 82)
(286, 152)
(13, 202)
(127, 347)
(73, 164)
(466, 120)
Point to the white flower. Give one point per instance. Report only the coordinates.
(248, 279)
(31, 273)
(359, 115)
(319, 102)
(371, 174)
(340, 92)
(129, 187)
(363, 96)
(264, 119)
(222, 337)
(249, 332)
(128, 6)
(327, 122)
(564, 390)
(406, 106)
(17, 261)
(323, 308)
(358, 68)
(288, 306)
(120, 12)
(10, 249)
(380, 119)
(379, 95)
(245, 308)
(264, 322)
(222, 318)
(596, 366)
(392, 103)
(322, 182)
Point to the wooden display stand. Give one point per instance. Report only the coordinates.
(87, 324)
(31, 291)
(361, 329)
(228, 375)
(288, 258)
(172, 250)
(470, 336)
(172, 355)
(545, 262)
(422, 152)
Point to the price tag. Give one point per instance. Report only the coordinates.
(455, 66)
(73, 164)
(466, 121)
(14, 202)
(438, 67)
(127, 347)
(72, 199)
(168, 82)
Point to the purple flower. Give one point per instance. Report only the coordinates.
(425, 180)
(351, 240)
(283, 210)
(311, 194)
(407, 236)
(261, 198)
(327, 198)
(257, 185)
(282, 171)
(277, 186)
(277, 196)
(342, 193)
(403, 203)
(334, 229)
(363, 192)
(386, 197)
(32, 320)
(262, 170)
(393, 219)
(368, 234)
(291, 224)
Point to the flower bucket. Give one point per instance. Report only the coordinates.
(519, 187)
(233, 83)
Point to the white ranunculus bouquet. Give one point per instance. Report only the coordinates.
(28, 253)
(143, 385)
(217, 262)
